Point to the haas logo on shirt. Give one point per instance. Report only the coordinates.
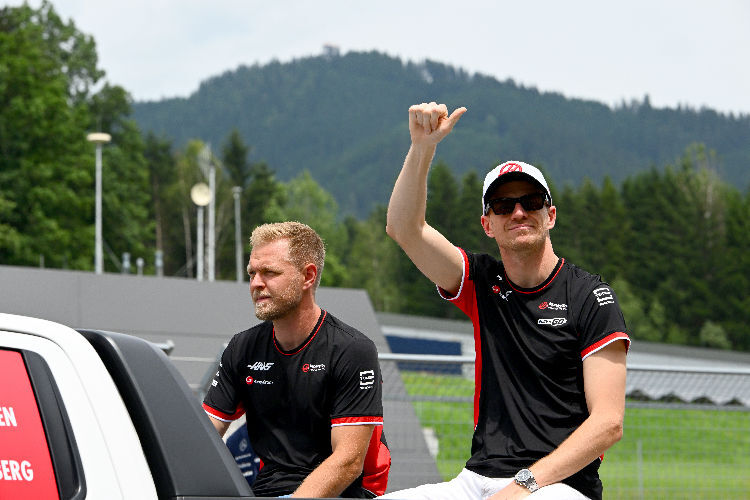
(260, 365)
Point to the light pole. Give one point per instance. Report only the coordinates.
(98, 138)
(209, 170)
(212, 223)
(201, 196)
(236, 190)
(159, 263)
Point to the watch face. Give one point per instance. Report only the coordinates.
(523, 475)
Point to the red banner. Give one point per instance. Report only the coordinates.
(25, 464)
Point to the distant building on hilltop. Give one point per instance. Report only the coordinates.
(331, 51)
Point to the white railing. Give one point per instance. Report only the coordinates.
(679, 423)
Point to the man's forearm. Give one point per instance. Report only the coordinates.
(408, 201)
(604, 374)
(581, 448)
(589, 441)
(329, 479)
(349, 444)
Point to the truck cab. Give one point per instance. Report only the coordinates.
(88, 414)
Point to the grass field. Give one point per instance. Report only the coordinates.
(664, 453)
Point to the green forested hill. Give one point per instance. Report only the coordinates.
(671, 237)
(344, 119)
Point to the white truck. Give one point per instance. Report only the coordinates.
(101, 415)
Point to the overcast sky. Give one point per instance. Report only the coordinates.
(692, 53)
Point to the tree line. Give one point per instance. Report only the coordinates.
(344, 118)
(673, 241)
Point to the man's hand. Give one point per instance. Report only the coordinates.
(429, 123)
(349, 444)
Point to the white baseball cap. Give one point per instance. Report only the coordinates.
(513, 170)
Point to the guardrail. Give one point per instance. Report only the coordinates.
(679, 423)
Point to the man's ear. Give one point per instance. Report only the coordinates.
(310, 273)
(487, 227)
(552, 216)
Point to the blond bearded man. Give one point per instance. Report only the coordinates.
(309, 384)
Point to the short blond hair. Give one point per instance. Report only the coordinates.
(305, 245)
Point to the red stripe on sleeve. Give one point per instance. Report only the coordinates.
(356, 421)
(224, 417)
(612, 337)
(447, 295)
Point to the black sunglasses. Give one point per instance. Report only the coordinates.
(504, 206)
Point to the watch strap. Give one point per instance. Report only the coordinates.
(525, 478)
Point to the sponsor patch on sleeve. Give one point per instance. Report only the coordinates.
(603, 296)
(366, 379)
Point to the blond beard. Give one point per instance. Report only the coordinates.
(279, 306)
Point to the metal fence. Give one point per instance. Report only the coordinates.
(686, 430)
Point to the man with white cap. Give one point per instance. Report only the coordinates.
(550, 338)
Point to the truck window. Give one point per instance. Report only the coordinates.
(25, 465)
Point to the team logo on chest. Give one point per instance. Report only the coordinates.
(552, 321)
(260, 365)
(499, 291)
(309, 367)
(250, 381)
(553, 306)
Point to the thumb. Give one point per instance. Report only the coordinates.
(455, 116)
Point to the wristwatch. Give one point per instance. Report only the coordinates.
(525, 478)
